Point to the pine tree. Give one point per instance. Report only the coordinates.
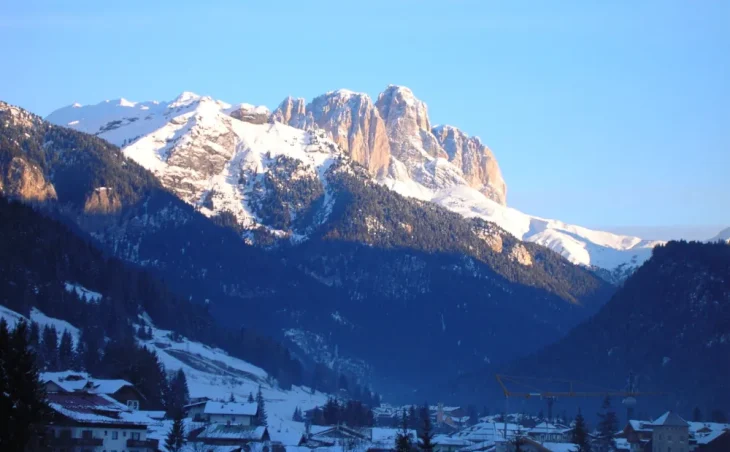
(179, 394)
(412, 420)
(65, 351)
(331, 412)
(607, 426)
(473, 414)
(176, 437)
(403, 441)
(580, 434)
(250, 398)
(297, 417)
(261, 417)
(23, 399)
(231, 398)
(425, 435)
(49, 348)
(696, 415)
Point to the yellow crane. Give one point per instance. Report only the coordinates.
(629, 394)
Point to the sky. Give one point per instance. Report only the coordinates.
(604, 114)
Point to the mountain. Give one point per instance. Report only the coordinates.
(339, 257)
(207, 152)
(723, 236)
(669, 324)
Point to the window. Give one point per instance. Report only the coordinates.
(106, 433)
(135, 435)
(86, 434)
(124, 434)
(115, 435)
(133, 404)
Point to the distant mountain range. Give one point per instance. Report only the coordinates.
(213, 155)
(338, 256)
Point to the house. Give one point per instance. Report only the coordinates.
(528, 444)
(81, 421)
(383, 438)
(445, 443)
(223, 412)
(547, 432)
(120, 390)
(233, 436)
(670, 434)
(329, 436)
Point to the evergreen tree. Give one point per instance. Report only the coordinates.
(331, 412)
(66, 351)
(696, 415)
(298, 417)
(49, 348)
(176, 437)
(473, 414)
(403, 441)
(607, 427)
(250, 398)
(580, 434)
(22, 399)
(231, 398)
(261, 417)
(425, 434)
(179, 394)
(412, 418)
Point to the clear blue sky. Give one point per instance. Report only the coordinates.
(600, 113)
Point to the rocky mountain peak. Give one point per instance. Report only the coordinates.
(291, 111)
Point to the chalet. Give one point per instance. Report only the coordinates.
(223, 412)
(80, 421)
(68, 382)
(445, 443)
(528, 444)
(547, 432)
(338, 435)
(232, 436)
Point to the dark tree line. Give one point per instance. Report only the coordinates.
(40, 256)
(352, 413)
(22, 397)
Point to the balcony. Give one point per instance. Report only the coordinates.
(75, 442)
(143, 443)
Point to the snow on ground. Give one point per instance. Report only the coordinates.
(214, 374)
(85, 294)
(43, 320)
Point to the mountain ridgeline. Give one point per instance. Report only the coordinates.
(669, 324)
(364, 261)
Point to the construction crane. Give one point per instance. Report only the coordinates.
(629, 394)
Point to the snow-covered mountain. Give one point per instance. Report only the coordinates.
(225, 158)
(723, 235)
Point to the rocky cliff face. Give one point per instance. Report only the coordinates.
(393, 138)
(26, 181)
(350, 118)
(475, 160)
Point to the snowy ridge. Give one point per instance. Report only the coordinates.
(202, 151)
(12, 318)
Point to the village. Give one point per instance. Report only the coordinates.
(89, 414)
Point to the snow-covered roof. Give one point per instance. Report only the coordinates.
(94, 408)
(560, 447)
(71, 381)
(382, 435)
(221, 431)
(444, 440)
(546, 427)
(670, 418)
(235, 408)
(641, 426)
(706, 432)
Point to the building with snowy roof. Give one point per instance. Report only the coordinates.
(81, 421)
(670, 434)
(230, 435)
(222, 412)
(68, 382)
(547, 432)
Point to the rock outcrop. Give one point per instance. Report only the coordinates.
(26, 181)
(103, 200)
(351, 120)
(475, 160)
